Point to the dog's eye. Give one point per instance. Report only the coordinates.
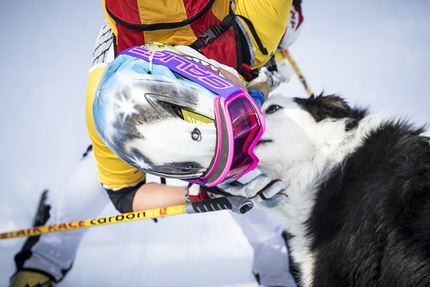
(273, 108)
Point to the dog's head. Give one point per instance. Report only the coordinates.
(298, 129)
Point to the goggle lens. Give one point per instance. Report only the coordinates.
(246, 130)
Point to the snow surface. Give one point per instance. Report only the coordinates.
(374, 53)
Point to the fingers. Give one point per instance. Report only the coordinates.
(271, 195)
(275, 201)
(257, 184)
(261, 188)
(270, 190)
(273, 188)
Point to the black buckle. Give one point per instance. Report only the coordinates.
(211, 34)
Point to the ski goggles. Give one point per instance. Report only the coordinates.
(238, 120)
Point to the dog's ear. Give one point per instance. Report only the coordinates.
(331, 106)
(322, 107)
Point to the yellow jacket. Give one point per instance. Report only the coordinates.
(269, 19)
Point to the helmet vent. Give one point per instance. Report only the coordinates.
(196, 135)
(139, 69)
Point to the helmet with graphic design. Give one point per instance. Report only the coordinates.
(168, 115)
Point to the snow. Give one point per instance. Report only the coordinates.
(374, 53)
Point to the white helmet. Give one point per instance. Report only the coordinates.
(140, 109)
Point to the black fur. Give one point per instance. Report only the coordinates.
(334, 107)
(371, 222)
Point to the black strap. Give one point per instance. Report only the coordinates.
(239, 55)
(255, 35)
(213, 32)
(160, 26)
(215, 190)
(272, 65)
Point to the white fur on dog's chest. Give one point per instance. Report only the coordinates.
(302, 153)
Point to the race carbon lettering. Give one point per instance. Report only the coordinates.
(118, 218)
(66, 226)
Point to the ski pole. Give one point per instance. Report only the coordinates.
(287, 54)
(238, 204)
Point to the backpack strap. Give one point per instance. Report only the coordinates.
(255, 35)
(215, 31)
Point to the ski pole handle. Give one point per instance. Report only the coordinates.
(238, 204)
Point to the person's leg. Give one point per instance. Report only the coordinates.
(83, 197)
(271, 263)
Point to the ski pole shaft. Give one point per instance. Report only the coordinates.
(235, 203)
(296, 69)
(74, 225)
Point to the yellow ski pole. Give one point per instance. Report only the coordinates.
(286, 54)
(238, 204)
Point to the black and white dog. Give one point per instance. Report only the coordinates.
(358, 186)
